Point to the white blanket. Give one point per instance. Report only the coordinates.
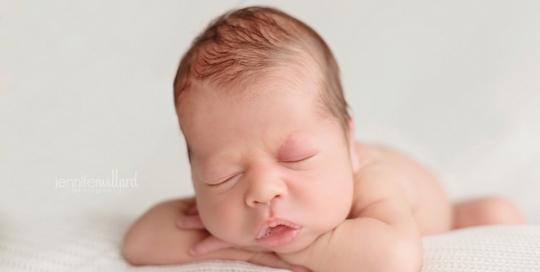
(92, 244)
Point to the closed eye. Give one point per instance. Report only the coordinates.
(221, 183)
(301, 160)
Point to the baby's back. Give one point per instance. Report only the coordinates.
(424, 194)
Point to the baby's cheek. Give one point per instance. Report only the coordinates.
(222, 222)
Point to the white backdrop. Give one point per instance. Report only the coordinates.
(86, 88)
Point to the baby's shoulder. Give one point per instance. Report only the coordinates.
(376, 159)
(371, 153)
(378, 177)
(372, 159)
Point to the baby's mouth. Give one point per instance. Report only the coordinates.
(276, 232)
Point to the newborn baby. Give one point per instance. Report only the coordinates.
(279, 179)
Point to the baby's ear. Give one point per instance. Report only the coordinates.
(353, 152)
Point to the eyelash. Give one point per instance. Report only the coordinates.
(289, 162)
(301, 160)
(219, 184)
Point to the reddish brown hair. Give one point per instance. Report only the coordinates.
(245, 43)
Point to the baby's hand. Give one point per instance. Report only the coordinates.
(192, 221)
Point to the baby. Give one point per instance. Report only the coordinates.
(278, 176)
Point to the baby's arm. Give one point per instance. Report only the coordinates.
(381, 235)
(155, 239)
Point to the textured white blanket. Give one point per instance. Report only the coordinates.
(93, 245)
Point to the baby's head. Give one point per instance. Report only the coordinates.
(269, 137)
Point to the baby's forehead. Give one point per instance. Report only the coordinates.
(275, 81)
(263, 92)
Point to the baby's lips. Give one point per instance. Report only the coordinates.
(270, 223)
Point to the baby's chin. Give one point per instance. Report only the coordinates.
(301, 242)
(296, 245)
(293, 247)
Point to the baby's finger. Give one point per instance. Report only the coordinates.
(190, 222)
(208, 245)
(193, 210)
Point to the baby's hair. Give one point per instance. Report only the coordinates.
(244, 44)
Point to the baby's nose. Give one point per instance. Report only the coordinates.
(264, 187)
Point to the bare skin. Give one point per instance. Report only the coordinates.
(167, 231)
(432, 210)
(345, 206)
(154, 239)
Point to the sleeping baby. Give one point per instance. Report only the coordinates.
(279, 179)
